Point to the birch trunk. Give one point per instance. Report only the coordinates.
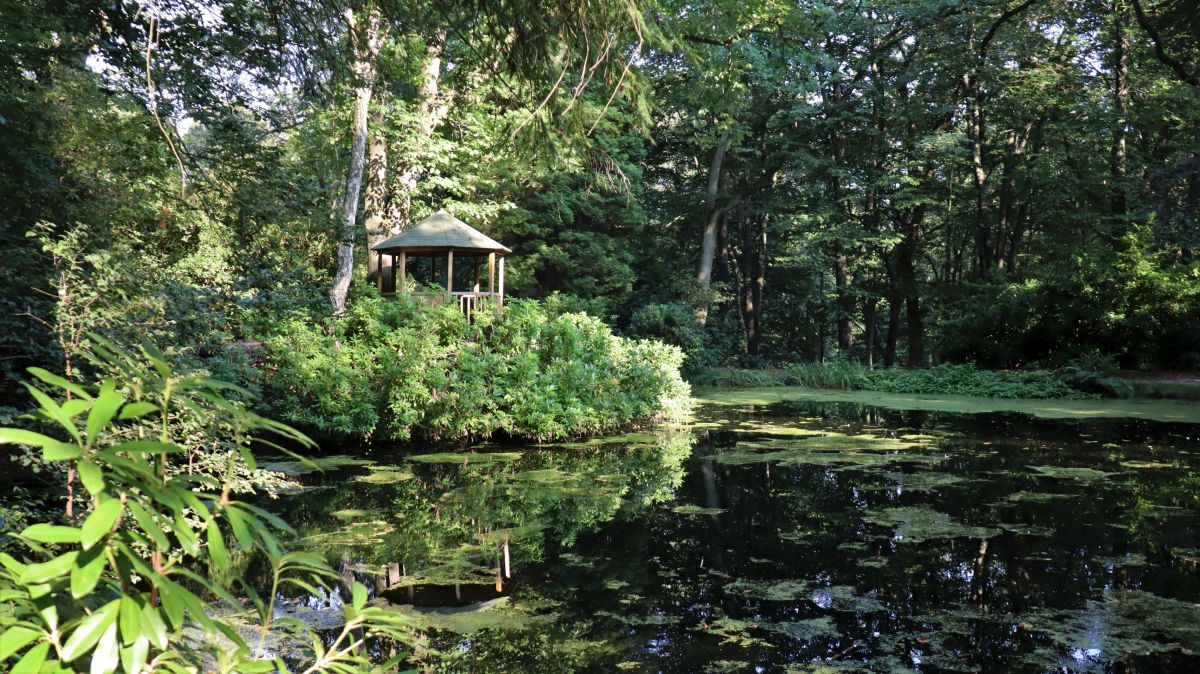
(366, 46)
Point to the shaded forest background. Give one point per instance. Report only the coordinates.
(907, 182)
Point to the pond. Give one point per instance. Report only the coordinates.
(792, 537)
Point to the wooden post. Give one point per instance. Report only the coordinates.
(449, 274)
(403, 278)
(379, 273)
(500, 297)
(491, 273)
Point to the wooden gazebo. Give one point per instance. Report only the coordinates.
(443, 238)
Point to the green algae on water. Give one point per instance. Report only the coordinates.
(1154, 410)
(918, 524)
(697, 510)
(1071, 473)
(465, 458)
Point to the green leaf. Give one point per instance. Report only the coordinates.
(137, 409)
(106, 657)
(153, 626)
(13, 639)
(31, 662)
(17, 436)
(86, 572)
(91, 476)
(74, 407)
(46, 571)
(237, 522)
(104, 409)
(216, 545)
(358, 596)
(100, 522)
(129, 618)
(90, 630)
(145, 447)
(55, 380)
(53, 411)
(172, 604)
(134, 657)
(61, 452)
(51, 533)
(146, 523)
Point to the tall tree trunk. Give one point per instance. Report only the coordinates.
(871, 328)
(756, 249)
(906, 273)
(975, 130)
(432, 107)
(1121, 103)
(895, 307)
(845, 304)
(366, 46)
(375, 202)
(713, 215)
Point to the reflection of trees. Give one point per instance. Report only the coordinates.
(451, 522)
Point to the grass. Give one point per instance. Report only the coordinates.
(1154, 410)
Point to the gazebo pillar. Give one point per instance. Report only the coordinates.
(379, 273)
(491, 273)
(500, 285)
(402, 278)
(449, 274)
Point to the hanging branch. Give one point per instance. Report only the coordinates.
(1160, 51)
(151, 45)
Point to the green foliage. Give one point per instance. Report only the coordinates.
(125, 584)
(673, 323)
(397, 368)
(833, 374)
(970, 381)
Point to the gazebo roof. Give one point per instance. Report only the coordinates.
(440, 231)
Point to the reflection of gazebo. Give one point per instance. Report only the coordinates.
(443, 238)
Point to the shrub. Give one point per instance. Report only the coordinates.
(129, 582)
(969, 380)
(397, 368)
(673, 323)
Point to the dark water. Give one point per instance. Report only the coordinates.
(809, 538)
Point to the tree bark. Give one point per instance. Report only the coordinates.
(432, 107)
(366, 46)
(375, 202)
(871, 321)
(713, 215)
(845, 305)
(1121, 103)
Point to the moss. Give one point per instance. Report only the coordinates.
(788, 589)
(1154, 410)
(1036, 497)
(734, 631)
(1071, 473)
(697, 510)
(920, 524)
(314, 465)
(465, 458)
(466, 620)
(384, 475)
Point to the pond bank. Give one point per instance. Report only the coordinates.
(1151, 410)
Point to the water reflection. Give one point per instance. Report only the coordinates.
(789, 538)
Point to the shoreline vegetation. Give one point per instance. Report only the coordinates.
(1176, 411)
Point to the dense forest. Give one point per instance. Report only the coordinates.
(991, 198)
(1012, 184)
